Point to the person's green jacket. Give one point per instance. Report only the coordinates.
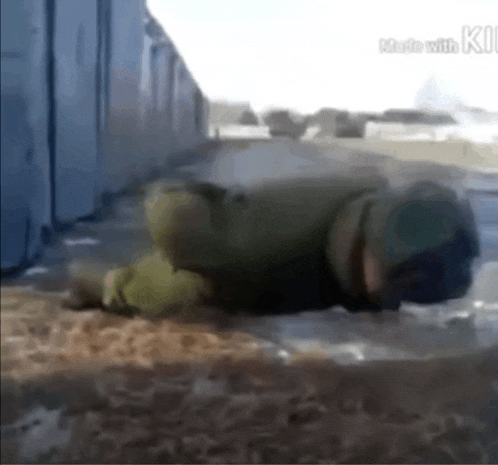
(298, 243)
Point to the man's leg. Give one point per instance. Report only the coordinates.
(148, 287)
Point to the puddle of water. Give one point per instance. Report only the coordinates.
(413, 332)
(36, 271)
(40, 431)
(81, 241)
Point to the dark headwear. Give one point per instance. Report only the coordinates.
(426, 239)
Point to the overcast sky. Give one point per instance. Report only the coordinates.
(306, 54)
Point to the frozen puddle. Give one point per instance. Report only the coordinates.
(81, 241)
(40, 431)
(36, 271)
(352, 338)
(415, 331)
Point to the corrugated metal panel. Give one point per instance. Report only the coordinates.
(24, 153)
(76, 162)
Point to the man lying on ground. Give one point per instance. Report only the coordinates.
(292, 245)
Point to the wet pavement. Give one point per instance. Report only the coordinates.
(416, 331)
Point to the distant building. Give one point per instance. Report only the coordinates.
(224, 113)
(249, 118)
(410, 116)
(226, 117)
(326, 119)
(340, 123)
(281, 123)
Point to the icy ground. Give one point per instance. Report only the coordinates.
(416, 331)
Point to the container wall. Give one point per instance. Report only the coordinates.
(75, 50)
(25, 208)
(94, 96)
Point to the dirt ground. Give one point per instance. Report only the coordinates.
(39, 333)
(86, 387)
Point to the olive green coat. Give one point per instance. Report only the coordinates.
(298, 240)
(215, 242)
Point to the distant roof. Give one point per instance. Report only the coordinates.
(409, 116)
(227, 112)
(328, 116)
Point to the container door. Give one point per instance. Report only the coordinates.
(76, 154)
(16, 133)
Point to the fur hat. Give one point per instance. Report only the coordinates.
(424, 238)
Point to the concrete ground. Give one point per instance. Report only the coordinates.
(416, 331)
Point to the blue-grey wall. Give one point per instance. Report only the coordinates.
(75, 49)
(25, 191)
(91, 97)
